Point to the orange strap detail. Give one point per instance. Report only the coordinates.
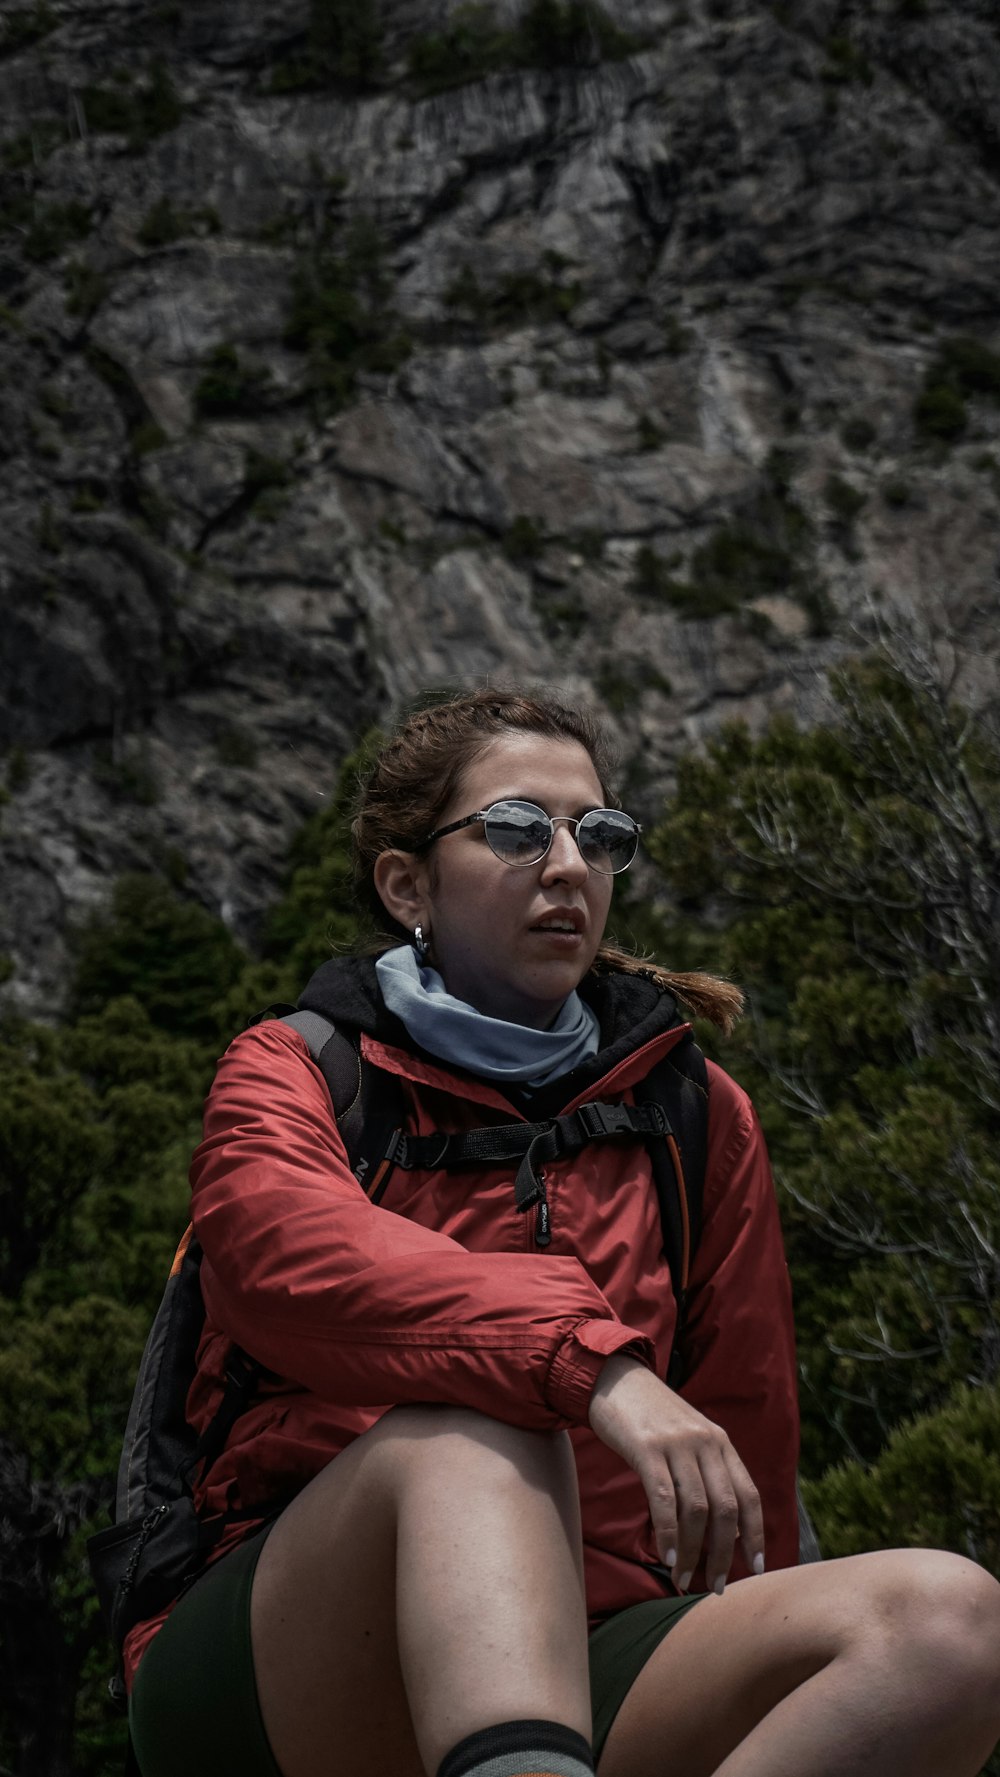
(380, 1172)
(186, 1238)
(675, 1155)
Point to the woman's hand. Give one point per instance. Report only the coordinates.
(693, 1478)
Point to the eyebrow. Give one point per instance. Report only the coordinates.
(581, 808)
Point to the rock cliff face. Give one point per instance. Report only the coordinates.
(345, 351)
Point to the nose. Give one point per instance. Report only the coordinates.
(563, 861)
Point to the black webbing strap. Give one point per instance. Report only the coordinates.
(536, 1145)
(679, 1085)
(242, 1377)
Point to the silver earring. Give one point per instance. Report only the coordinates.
(419, 943)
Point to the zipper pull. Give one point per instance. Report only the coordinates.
(148, 1525)
(543, 1221)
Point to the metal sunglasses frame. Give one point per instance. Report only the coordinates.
(483, 814)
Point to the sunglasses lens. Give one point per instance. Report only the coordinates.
(518, 832)
(608, 840)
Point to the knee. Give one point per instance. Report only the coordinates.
(966, 1600)
(463, 1443)
(947, 1611)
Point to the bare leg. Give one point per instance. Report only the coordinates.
(426, 1585)
(886, 1663)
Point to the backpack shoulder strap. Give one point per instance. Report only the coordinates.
(367, 1102)
(679, 1086)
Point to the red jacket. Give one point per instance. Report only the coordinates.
(439, 1294)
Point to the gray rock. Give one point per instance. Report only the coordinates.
(558, 316)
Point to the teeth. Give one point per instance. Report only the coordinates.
(557, 925)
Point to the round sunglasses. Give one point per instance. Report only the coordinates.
(520, 833)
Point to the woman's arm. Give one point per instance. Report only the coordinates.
(357, 1303)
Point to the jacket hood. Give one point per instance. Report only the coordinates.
(632, 1010)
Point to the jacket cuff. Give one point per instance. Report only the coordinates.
(581, 1358)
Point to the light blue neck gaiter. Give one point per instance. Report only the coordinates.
(490, 1047)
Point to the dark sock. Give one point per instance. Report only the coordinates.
(520, 1749)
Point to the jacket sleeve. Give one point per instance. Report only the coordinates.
(740, 1341)
(357, 1303)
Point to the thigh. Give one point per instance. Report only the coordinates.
(728, 1663)
(323, 1624)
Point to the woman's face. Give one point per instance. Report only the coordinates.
(491, 932)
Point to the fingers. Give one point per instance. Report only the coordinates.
(724, 1522)
(694, 1480)
(751, 1518)
(705, 1494)
(694, 1513)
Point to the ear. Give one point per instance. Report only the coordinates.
(401, 879)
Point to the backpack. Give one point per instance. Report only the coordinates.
(157, 1545)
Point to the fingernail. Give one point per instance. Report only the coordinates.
(671, 1558)
(720, 1586)
(758, 1564)
(683, 1583)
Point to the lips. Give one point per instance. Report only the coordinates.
(569, 921)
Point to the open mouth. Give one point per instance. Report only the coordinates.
(560, 925)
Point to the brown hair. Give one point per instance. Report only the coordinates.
(414, 776)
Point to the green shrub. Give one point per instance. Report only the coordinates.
(317, 911)
(137, 112)
(939, 412)
(236, 747)
(24, 25)
(89, 497)
(343, 47)
(31, 146)
(524, 540)
(171, 955)
(767, 549)
(145, 437)
(54, 227)
(621, 683)
(726, 572)
(554, 33)
(561, 611)
(18, 770)
(845, 62)
(963, 369)
(86, 288)
(518, 298)
(935, 1485)
(858, 433)
(650, 434)
(263, 471)
(970, 367)
(470, 45)
(844, 500)
(163, 223)
(896, 493)
(341, 314)
(16, 210)
(128, 770)
(228, 387)
(49, 531)
(588, 542)
(548, 34)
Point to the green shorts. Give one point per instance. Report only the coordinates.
(194, 1704)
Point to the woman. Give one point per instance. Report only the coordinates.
(469, 1421)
